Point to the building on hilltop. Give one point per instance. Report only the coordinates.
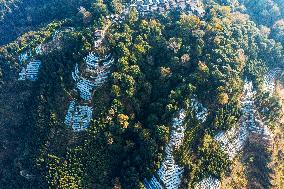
(145, 7)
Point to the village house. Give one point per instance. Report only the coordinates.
(145, 7)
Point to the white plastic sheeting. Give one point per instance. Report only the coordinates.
(39, 49)
(233, 140)
(200, 111)
(23, 57)
(56, 33)
(86, 88)
(78, 117)
(98, 74)
(31, 72)
(252, 119)
(153, 183)
(170, 173)
(270, 80)
(209, 183)
(92, 60)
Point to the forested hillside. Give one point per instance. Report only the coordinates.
(141, 94)
(20, 16)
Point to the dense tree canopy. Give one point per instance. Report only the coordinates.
(162, 63)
